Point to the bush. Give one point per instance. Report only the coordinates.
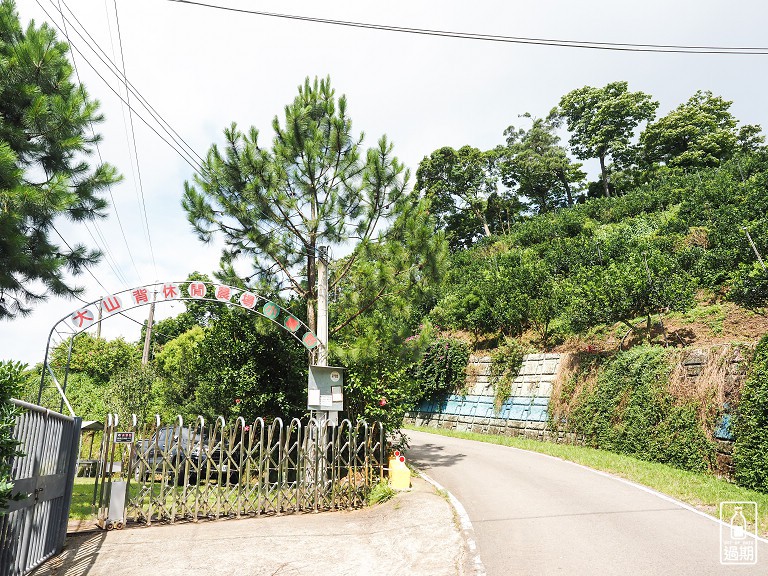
(505, 366)
(443, 368)
(630, 410)
(11, 377)
(751, 424)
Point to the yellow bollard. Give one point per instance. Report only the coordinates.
(399, 473)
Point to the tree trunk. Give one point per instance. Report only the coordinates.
(604, 174)
(486, 229)
(649, 324)
(567, 187)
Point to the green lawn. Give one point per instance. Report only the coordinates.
(82, 496)
(702, 491)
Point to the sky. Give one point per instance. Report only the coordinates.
(203, 69)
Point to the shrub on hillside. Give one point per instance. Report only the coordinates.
(751, 424)
(443, 368)
(11, 376)
(630, 410)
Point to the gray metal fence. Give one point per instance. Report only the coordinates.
(197, 471)
(34, 528)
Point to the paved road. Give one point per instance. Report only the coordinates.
(537, 515)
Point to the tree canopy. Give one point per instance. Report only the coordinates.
(315, 186)
(699, 133)
(602, 121)
(537, 167)
(45, 118)
(459, 184)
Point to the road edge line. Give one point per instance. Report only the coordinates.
(468, 531)
(646, 489)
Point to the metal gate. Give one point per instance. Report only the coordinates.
(34, 528)
(176, 472)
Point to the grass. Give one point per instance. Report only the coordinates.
(82, 496)
(380, 493)
(711, 316)
(703, 491)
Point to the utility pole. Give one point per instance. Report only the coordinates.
(148, 335)
(98, 324)
(754, 248)
(322, 305)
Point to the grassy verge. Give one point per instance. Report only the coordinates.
(703, 491)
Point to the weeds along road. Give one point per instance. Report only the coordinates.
(537, 515)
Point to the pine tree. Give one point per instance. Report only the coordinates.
(45, 120)
(314, 187)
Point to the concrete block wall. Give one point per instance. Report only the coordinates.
(524, 412)
(535, 378)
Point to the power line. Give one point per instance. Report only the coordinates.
(133, 137)
(615, 46)
(120, 276)
(84, 266)
(167, 128)
(120, 96)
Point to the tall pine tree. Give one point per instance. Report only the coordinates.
(315, 186)
(45, 120)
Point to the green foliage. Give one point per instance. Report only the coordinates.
(442, 368)
(247, 367)
(505, 366)
(316, 186)
(97, 358)
(537, 168)
(11, 376)
(751, 424)
(697, 134)
(380, 388)
(631, 411)
(380, 493)
(750, 286)
(45, 122)
(639, 285)
(377, 311)
(602, 122)
(130, 392)
(459, 185)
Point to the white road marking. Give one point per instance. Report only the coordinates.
(639, 487)
(466, 526)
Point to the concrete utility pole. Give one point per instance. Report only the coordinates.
(148, 335)
(322, 305)
(98, 324)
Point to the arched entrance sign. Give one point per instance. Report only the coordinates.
(89, 314)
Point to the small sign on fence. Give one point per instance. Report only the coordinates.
(123, 437)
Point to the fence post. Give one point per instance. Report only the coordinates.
(74, 453)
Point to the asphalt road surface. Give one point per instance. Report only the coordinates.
(537, 515)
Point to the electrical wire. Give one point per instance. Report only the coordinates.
(133, 138)
(121, 277)
(120, 96)
(615, 46)
(84, 266)
(167, 128)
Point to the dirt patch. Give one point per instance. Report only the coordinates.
(706, 325)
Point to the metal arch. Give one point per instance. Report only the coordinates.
(260, 303)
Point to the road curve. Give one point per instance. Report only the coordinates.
(537, 515)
